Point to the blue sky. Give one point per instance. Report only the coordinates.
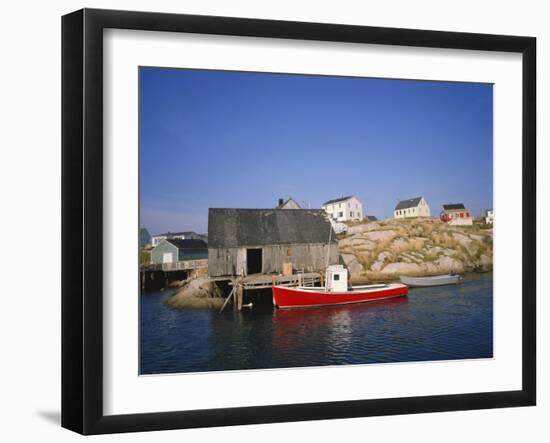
(234, 139)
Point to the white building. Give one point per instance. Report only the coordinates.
(413, 207)
(489, 216)
(339, 227)
(344, 209)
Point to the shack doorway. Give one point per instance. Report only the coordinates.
(253, 261)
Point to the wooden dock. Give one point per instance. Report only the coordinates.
(159, 276)
(262, 281)
(185, 265)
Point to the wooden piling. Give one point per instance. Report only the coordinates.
(235, 287)
(227, 299)
(239, 296)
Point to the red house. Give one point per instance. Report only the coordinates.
(456, 214)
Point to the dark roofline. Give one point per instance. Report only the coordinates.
(264, 209)
(453, 206)
(238, 227)
(336, 200)
(408, 203)
(187, 244)
(176, 233)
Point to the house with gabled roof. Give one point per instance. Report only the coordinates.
(455, 214)
(260, 241)
(344, 208)
(289, 203)
(172, 250)
(412, 207)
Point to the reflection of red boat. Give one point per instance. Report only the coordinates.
(335, 292)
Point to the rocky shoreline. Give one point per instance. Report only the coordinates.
(383, 250)
(197, 293)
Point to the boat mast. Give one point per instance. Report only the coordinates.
(328, 249)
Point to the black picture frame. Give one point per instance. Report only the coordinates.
(82, 218)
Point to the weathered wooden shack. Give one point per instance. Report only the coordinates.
(252, 241)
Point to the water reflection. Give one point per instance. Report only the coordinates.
(452, 322)
(333, 334)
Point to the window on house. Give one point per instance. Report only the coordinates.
(336, 277)
(340, 214)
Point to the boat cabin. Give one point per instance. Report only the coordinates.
(337, 279)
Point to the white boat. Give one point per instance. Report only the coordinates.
(438, 280)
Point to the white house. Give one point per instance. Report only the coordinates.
(413, 207)
(344, 208)
(456, 214)
(489, 216)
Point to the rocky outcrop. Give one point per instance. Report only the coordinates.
(383, 250)
(198, 293)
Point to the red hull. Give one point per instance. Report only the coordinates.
(284, 297)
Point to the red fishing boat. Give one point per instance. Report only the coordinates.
(335, 292)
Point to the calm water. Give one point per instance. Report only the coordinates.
(450, 322)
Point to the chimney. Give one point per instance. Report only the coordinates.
(281, 201)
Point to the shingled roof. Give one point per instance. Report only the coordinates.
(187, 243)
(231, 228)
(168, 234)
(453, 206)
(336, 200)
(410, 203)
